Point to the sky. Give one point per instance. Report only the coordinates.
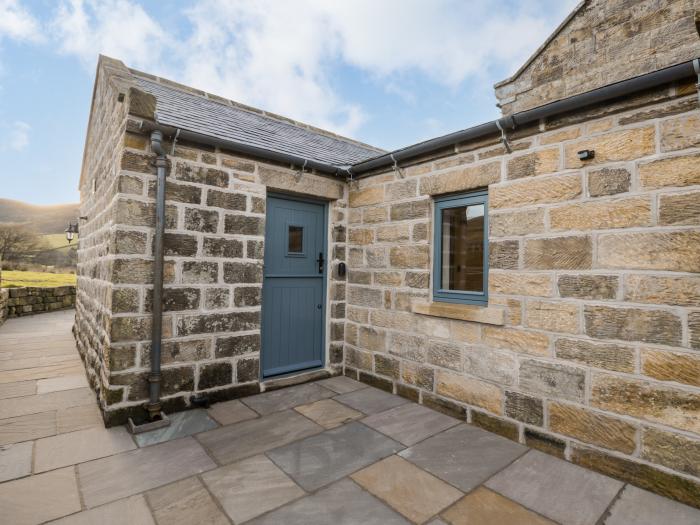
(386, 72)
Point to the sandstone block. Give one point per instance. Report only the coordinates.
(125, 300)
(404, 189)
(544, 442)
(542, 190)
(597, 215)
(554, 380)
(516, 223)
(175, 299)
(140, 162)
(628, 144)
(255, 249)
(244, 225)
(671, 450)
(521, 283)
(206, 221)
(375, 214)
(385, 365)
(445, 355)
(218, 322)
(201, 174)
(129, 242)
(366, 196)
(359, 277)
(221, 247)
(372, 339)
(410, 256)
(680, 133)
(671, 366)
(598, 287)
(242, 272)
(680, 209)
(539, 162)
(361, 236)
(665, 250)
(610, 356)
(307, 184)
(495, 425)
(176, 192)
(227, 200)
(410, 210)
(591, 427)
(420, 232)
(195, 272)
(559, 253)
(632, 324)
(646, 400)
(553, 316)
(674, 171)
(179, 245)
(494, 365)
(216, 298)
(412, 347)
(237, 345)
(461, 179)
(369, 297)
(608, 181)
(694, 329)
(247, 296)
(376, 257)
(393, 233)
(419, 375)
(215, 374)
(132, 271)
(130, 185)
(417, 279)
(388, 278)
(516, 339)
(247, 369)
(470, 391)
(504, 255)
(524, 408)
(657, 289)
(130, 329)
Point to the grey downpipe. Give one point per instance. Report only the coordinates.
(154, 377)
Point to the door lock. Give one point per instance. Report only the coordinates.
(320, 262)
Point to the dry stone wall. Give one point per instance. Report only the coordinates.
(589, 346)
(4, 298)
(33, 300)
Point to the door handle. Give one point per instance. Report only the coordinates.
(320, 262)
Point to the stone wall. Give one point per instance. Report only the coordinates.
(588, 348)
(33, 300)
(606, 41)
(4, 298)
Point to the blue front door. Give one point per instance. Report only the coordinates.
(293, 286)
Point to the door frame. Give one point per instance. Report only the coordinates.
(324, 284)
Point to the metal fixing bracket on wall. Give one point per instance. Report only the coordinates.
(504, 137)
(396, 166)
(696, 67)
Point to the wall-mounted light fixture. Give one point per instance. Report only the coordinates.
(71, 231)
(585, 154)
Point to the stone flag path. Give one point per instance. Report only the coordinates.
(331, 452)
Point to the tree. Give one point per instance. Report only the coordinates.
(15, 240)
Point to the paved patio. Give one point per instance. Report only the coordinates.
(334, 451)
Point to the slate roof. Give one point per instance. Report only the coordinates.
(196, 113)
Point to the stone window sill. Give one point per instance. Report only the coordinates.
(495, 315)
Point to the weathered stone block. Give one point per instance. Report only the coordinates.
(237, 345)
(179, 245)
(247, 296)
(238, 164)
(376, 257)
(674, 171)
(495, 425)
(130, 329)
(591, 427)
(518, 340)
(393, 233)
(681, 209)
(386, 365)
(420, 232)
(248, 369)
(140, 162)
(504, 255)
(219, 247)
(130, 185)
(470, 391)
(671, 366)
(244, 225)
(412, 347)
(491, 364)
(219, 322)
(524, 408)
(657, 289)
(550, 379)
(366, 196)
(175, 299)
(195, 272)
(227, 200)
(672, 251)
(216, 298)
(516, 223)
(544, 442)
(559, 253)
(175, 192)
(680, 133)
(399, 190)
(445, 355)
(359, 277)
(122, 357)
(361, 236)
(539, 162)
(445, 406)
(417, 279)
(410, 210)
(410, 256)
(392, 279)
(597, 215)
(419, 375)
(125, 300)
(521, 283)
(129, 242)
(553, 316)
(608, 181)
(610, 356)
(461, 179)
(671, 450)
(206, 221)
(201, 174)
(132, 271)
(654, 402)
(628, 144)
(215, 374)
(541, 190)
(368, 297)
(632, 324)
(375, 214)
(372, 339)
(255, 249)
(306, 184)
(242, 272)
(598, 287)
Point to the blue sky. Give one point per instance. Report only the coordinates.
(387, 72)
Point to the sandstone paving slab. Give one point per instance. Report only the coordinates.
(285, 398)
(81, 446)
(410, 423)
(128, 511)
(67, 382)
(115, 477)
(319, 460)
(15, 460)
(485, 506)
(406, 488)
(185, 502)
(40, 498)
(464, 456)
(342, 503)
(251, 487)
(181, 424)
(557, 489)
(642, 507)
(25, 428)
(32, 362)
(341, 384)
(17, 389)
(45, 402)
(370, 400)
(78, 418)
(229, 412)
(248, 438)
(328, 413)
(28, 374)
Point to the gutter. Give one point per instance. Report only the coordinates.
(603, 94)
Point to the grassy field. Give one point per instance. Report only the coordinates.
(14, 279)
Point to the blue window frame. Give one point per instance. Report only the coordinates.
(460, 272)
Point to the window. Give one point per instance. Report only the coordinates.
(460, 274)
(295, 240)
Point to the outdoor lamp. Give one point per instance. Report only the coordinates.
(71, 231)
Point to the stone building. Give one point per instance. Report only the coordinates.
(536, 276)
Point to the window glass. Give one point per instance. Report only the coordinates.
(295, 239)
(463, 248)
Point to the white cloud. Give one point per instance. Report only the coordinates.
(15, 136)
(18, 23)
